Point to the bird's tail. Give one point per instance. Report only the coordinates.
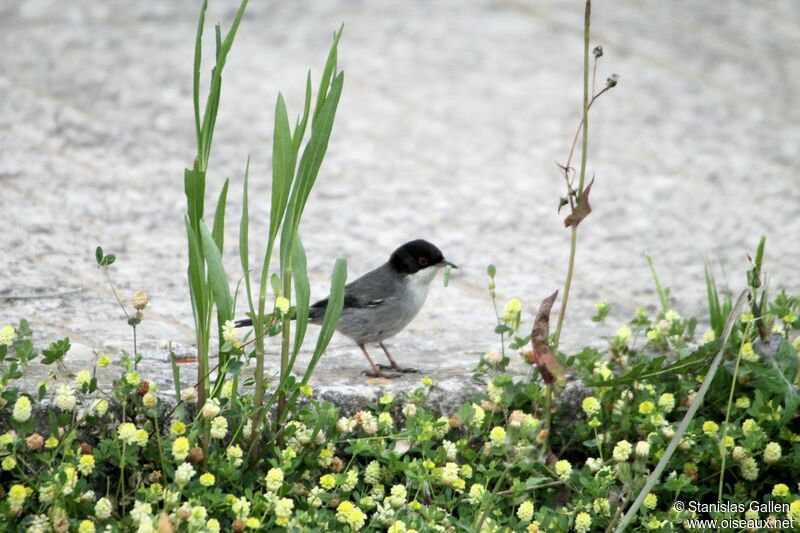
(315, 315)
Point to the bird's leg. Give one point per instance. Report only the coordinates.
(393, 364)
(376, 372)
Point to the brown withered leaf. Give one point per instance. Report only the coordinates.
(582, 208)
(542, 355)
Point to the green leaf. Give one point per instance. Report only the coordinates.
(219, 217)
(663, 294)
(283, 162)
(244, 238)
(56, 351)
(218, 278)
(655, 475)
(302, 292)
(300, 127)
(327, 73)
(194, 186)
(198, 56)
(98, 254)
(311, 161)
(196, 274)
(332, 313)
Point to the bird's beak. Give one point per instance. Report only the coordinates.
(447, 263)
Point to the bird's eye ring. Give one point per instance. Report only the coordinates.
(423, 261)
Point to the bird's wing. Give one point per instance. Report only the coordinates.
(369, 291)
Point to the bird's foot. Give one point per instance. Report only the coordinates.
(400, 369)
(381, 375)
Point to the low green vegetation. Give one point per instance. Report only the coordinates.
(643, 433)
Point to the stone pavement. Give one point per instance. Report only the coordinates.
(452, 116)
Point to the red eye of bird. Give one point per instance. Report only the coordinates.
(423, 261)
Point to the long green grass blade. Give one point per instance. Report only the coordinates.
(196, 273)
(327, 73)
(311, 161)
(218, 278)
(690, 413)
(300, 127)
(194, 185)
(283, 158)
(332, 314)
(244, 238)
(662, 293)
(218, 230)
(198, 56)
(713, 301)
(302, 292)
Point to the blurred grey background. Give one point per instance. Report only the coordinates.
(452, 118)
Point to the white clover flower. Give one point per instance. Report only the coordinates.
(709, 336)
(477, 419)
(410, 410)
(149, 400)
(22, 409)
(274, 479)
(127, 433)
(230, 335)
(583, 522)
(594, 464)
(476, 493)
(622, 451)
(367, 421)
(211, 408)
(283, 511)
(343, 425)
(71, 481)
(623, 334)
(98, 407)
(372, 473)
(748, 469)
(198, 516)
(83, 377)
(398, 496)
(180, 449)
(385, 421)
(241, 508)
(189, 395)
(184, 474)
(65, 397)
(772, 453)
(219, 427)
(234, 454)
(525, 511)
(563, 469)
(590, 406)
(497, 436)
(642, 449)
(493, 358)
(102, 509)
(141, 512)
(86, 464)
(450, 450)
(313, 497)
(450, 474)
(282, 304)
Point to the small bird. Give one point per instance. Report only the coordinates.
(381, 303)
